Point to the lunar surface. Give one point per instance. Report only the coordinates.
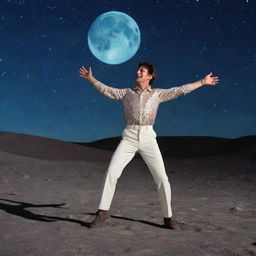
(114, 37)
(50, 190)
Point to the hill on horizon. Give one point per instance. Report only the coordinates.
(191, 146)
(170, 146)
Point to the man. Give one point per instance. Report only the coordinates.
(140, 109)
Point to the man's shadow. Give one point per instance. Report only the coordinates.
(20, 210)
(134, 220)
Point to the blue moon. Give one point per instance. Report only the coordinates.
(114, 37)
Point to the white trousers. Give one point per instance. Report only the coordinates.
(141, 139)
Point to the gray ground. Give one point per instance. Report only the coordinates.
(45, 206)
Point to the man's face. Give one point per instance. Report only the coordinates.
(142, 75)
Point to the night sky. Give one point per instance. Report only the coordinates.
(44, 43)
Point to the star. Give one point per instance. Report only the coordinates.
(50, 7)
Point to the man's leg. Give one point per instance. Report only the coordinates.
(121, 157)
(151, 154)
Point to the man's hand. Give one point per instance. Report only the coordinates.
(86, 74)
(210, 80)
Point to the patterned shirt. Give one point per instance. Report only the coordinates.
(140, 106)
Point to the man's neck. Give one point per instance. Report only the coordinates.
(143, 86)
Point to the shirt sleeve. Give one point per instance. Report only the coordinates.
(174, 92)
(110, 92)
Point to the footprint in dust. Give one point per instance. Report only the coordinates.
(187, 227)
(228, 252)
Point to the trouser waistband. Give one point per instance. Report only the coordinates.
(137, 126)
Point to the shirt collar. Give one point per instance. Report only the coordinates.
(137, 88)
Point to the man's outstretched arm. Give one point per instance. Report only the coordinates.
(110, 92)
(87, 74)
(207, 80)
(175, 92)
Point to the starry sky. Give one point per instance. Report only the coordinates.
(44, 43)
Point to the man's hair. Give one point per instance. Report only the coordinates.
(151, 70)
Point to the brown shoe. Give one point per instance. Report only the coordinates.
(171, 223)
(101, 216)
